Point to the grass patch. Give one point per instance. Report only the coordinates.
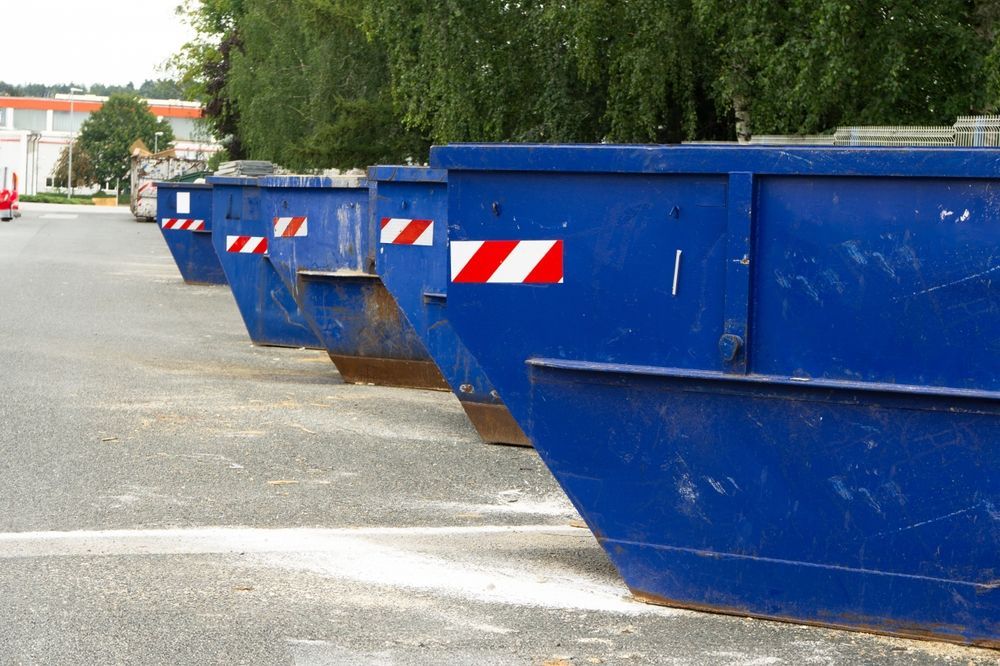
(55, 198)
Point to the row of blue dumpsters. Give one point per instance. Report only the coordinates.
(767, 377)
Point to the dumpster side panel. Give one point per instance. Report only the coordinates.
(186, 225)
(330, 270)
(837, 256)
(412, 260)
(268, 309)
(616, 302)
(753, 386)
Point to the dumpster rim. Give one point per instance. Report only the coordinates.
(839, 161)
(944, 392)
(391, 173)
(176, 185)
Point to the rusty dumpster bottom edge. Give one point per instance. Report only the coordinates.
(403, 373)
(863, 626)
(495, 424)
(283, 345)
(202, 283)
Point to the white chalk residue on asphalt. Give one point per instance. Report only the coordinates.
(385, 557)
(512, 502)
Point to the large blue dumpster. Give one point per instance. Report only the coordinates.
(239, 235)
(769, 378)
(322, 244)
(185, 216)
(409, 206)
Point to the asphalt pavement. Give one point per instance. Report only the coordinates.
(171, 494)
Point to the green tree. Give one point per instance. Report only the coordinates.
(160, 89)
(105, 90)
(312, 90)
(293, 81)
(592, 70)
(653, 67)
(202, 66)
(83, 168)
(108, 133)
(803, 66)
(667, 70)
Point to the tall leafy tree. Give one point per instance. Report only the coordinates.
(312, 90)
(802, 66)
(487, 71)
(303, 81)
(654, 67)
(202, 66)
(83, 168)
(160, 89)
(591, 70)
(109, 132)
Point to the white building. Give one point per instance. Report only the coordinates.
(34, 131)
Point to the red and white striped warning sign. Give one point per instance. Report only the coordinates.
(180, 223)
(507, 262)
(246, 244)
(404, 231)
(291, 227)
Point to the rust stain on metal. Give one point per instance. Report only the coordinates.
(495, 424)
(863, 624)
(404, 373)
(382, 317)
(381, 305)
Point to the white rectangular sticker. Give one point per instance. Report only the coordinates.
(183, 203)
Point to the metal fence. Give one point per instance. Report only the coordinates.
(967, 131)
(891, 135)
(977, 131)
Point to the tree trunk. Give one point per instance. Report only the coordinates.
(742, 113)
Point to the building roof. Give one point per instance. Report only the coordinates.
(167, 108)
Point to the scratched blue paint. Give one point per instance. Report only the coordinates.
(840, 466)
(331, 270)
(417, 278)
(268, 310)
(192, 250)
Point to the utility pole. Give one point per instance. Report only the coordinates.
(156, 142)
(69, 170)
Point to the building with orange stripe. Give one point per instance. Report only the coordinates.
(35, 130)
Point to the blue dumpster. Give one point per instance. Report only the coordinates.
(768, 378)
(322, 245)
(185, 216)
(239, 235)
(409, 206)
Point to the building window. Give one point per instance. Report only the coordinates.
(30, 119)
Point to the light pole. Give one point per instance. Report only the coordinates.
(156, 141)
(69, 170)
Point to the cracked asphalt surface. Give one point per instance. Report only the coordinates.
(171, 494)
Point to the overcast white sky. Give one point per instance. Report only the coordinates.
(96, 41)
